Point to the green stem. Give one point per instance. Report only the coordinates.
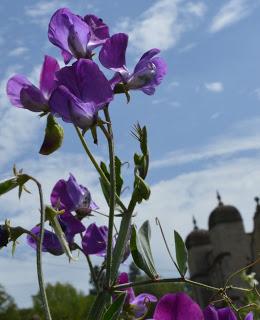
(112, 201)
(94, 162)
(39, 254)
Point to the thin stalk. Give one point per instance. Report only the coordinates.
(94, 162)
(112, 200)
(39, 253)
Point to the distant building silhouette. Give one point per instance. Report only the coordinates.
(224, 248)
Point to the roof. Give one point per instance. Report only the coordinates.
(198, 237)
(224, 214)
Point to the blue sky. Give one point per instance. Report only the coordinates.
(203, 122)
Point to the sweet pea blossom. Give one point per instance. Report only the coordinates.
(70, 226)
(95, 240)
(4, 236)
(23, 94)
(74, 35)
(71, 196)
(148, 72)
(81, 92)
(180, 306)
(137, 306)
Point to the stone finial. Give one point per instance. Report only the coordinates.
(220, 203)
(195, 225)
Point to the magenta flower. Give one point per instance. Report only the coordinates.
(180, 306)
(82, 91)
(23, 94)
(94, 240)
(136, 305)
(71, 196)
(75, 36)
(70, 226)
(148, 72)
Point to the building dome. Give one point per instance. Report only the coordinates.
(198, 237)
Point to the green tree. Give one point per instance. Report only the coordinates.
(8, 309)
(66, 303)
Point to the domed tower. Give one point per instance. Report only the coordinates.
(231, 248)
(198, 246)
(256, 239)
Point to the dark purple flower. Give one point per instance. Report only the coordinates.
(212, 313)
(95, 240)
(23, 94)
(75, 36)
(136, 305)
(71, 196)
(82, 91)
(180, 306)
(70, 226)
(4, 236)
(148, 72)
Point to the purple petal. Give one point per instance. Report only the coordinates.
(141, 302)
(70, 33)
(122, 279)
(249, 316)
(112, 54)
(47, 78)
(70, 226)
(177, 307)
(146, 57)
(14, 87)
(60, 198)
(210, 313)
(94, 86)
(99, 30)
(75, 191)
(226, 314)
(50, 243)
(66, 105)
(95, 240)
(32, 99)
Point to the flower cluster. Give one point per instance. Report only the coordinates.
(77, 92)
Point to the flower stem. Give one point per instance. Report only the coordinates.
(94, 162)
(39, 253)
(112, 201)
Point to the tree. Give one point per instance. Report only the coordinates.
(66, 303)
(8, 309)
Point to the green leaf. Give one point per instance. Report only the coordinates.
(113, 312)
(53, 138)
(181, 253)
(10, 184)
(141, 250)
(141, 189)
(98, 306)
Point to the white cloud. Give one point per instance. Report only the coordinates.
(214, 86)
(18, 51)
(230, 13)
(162, 24)
(243, 137)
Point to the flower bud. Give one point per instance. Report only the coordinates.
(4, 236)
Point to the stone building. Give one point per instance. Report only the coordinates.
(224, 248)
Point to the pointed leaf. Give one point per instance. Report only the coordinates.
(145, 237)
(181, 253)
(113, 312)
(10, 184)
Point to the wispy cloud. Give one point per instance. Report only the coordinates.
(18, 51)
(214, 86)
(244, 137)
(163, 23)
(232, 12)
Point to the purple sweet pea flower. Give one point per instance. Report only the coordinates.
(71, 196)
(148, 72)
(70, 226)
(212, 313)
(23, 94)
(94, 240)
(180, 306)
(75, 36)
(82, 91)
(4, 236)
(136, 305)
